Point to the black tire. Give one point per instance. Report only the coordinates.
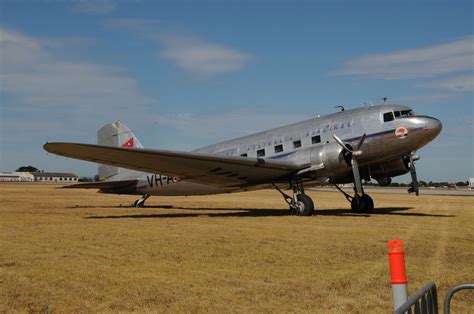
(362, 204)
(305, 205)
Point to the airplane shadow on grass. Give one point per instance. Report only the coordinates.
(261, 212)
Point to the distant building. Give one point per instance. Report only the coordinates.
(471, 183)
(54, 177)
(10, 176)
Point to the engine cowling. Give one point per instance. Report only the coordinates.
(382, 172)
(335, 161)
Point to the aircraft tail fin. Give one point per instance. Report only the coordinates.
(116, 134)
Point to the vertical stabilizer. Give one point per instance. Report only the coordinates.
(116, 134)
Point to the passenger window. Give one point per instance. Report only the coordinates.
(316, 139)
(297, 144)
(243, 155)
(278, 148)
(388, 116)
(261, 152)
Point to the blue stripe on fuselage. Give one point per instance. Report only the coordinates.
(369, 135)
(282, 155)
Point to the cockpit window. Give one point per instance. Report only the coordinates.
(407, 113)
(388, 116)
(402, 114)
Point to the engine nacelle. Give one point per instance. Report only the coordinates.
(334, 158)
(389, 169)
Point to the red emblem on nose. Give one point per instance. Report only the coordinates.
(129, 144)
(401, 132)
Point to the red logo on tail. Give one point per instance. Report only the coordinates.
(129, 144)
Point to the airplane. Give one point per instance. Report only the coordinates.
(371, 142)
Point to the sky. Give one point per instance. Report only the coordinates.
(183, 74)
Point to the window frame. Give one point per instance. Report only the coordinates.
(316, 139)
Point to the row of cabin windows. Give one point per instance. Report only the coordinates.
(279, 148)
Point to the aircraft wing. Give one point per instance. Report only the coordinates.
(194, 167)
(102, 185)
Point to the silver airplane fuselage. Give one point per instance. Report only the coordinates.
(392, 132)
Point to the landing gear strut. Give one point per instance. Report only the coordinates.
(141, 202)
(300, 204)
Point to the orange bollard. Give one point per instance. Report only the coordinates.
(398, 277)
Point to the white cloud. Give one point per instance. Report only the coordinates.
(455, 84)
(43, 87)
(93, 6)
(429, 61)
(17, 49)
(199, 58)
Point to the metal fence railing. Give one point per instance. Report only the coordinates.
(425, 301)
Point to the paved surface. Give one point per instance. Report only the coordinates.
(425, 191)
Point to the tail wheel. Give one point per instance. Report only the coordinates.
(304, 205)
(362, 204)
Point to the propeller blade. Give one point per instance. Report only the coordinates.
(361, 141)
(414, 179)
(340, 142)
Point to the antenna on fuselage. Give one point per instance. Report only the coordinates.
(385, 101)
(342, 107)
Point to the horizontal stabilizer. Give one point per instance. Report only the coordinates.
(103, 185)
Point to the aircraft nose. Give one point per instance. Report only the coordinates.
(433, 126)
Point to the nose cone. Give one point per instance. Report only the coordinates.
(433, 127)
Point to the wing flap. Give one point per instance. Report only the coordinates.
(194, 167)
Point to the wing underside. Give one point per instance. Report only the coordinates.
(194, 167)
(103, 185)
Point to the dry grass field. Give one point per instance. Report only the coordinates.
(79, 251)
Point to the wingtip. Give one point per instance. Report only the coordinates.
(46, 145)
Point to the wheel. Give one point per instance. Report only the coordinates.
(362, 204)
(304, 206)
(139, 203)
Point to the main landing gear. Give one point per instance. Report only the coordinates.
(141, 202)
(300, 204)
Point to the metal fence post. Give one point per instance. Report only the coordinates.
(398, 278)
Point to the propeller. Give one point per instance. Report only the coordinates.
(357, 151)
(415, 186)
(353, 154)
